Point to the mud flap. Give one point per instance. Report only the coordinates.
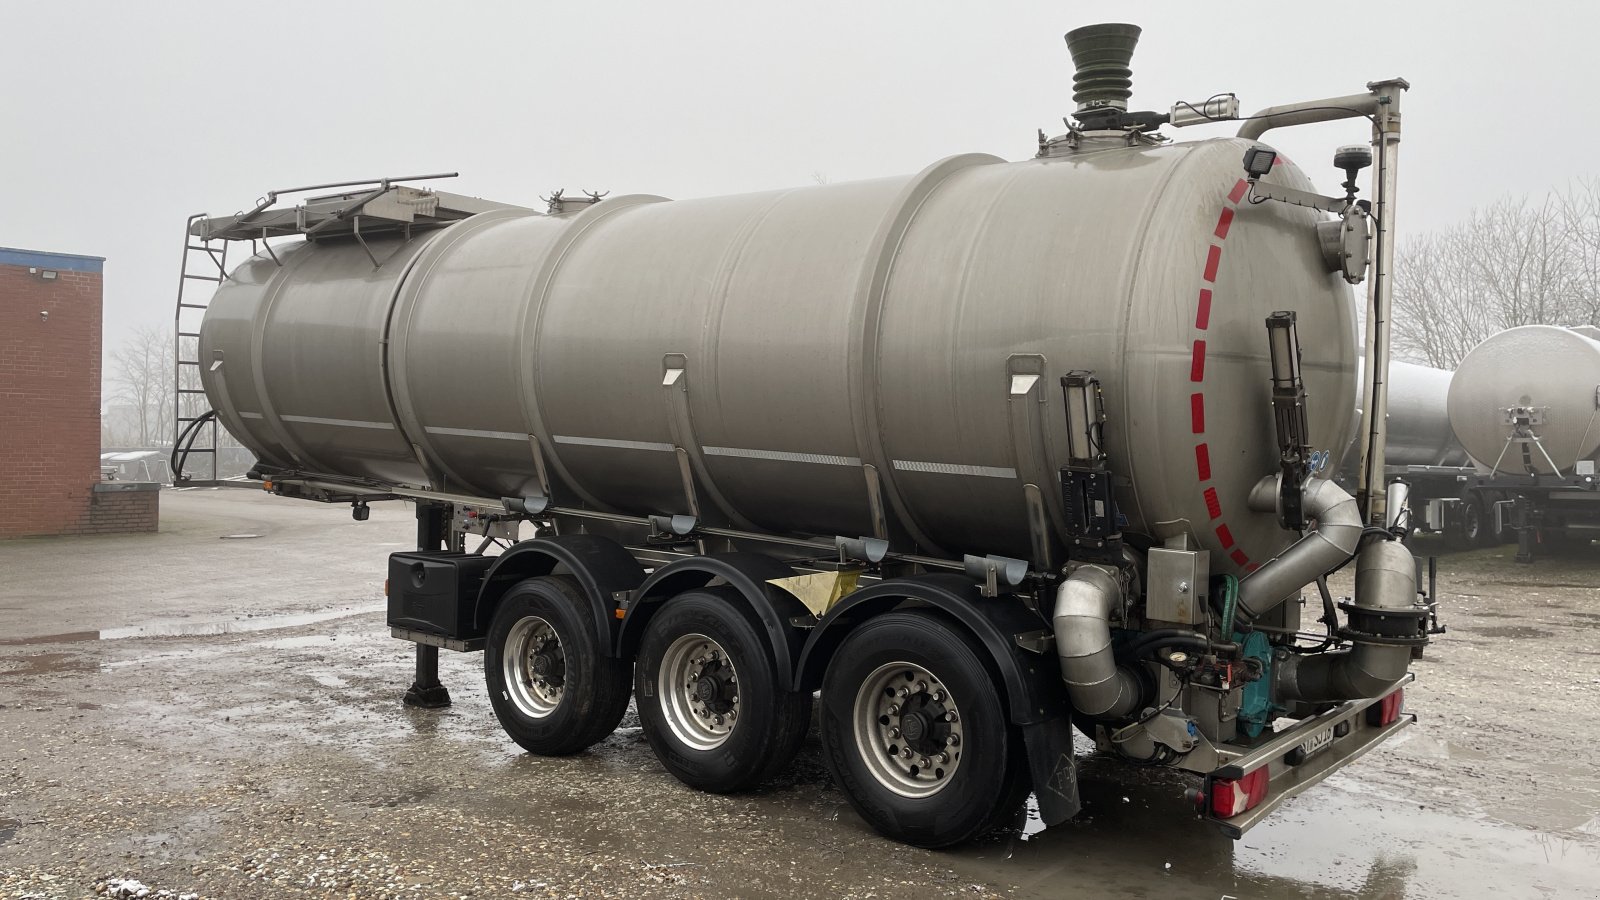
(1055, 774)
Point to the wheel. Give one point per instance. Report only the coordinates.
(1477, 525)
(709, 700)
(552, 687)
(914, 732)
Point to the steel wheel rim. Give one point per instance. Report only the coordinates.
(535, 667)
(908, 729)
(699, 691)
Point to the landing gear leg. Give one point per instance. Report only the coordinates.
(1527, 532)
(426, 692)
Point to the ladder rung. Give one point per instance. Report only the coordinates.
(200, 450)
(200, 247)
(187, 418)
(191, 390)
(217, 278)
(191, 306)
(188, 334)
(188, 362)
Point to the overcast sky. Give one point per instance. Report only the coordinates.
(117, 120)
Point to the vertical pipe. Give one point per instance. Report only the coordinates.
(1375, 393)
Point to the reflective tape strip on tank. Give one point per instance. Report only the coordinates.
(477, 433)
(613, 443)
(821, 459)
(343, 423)
(907, 465)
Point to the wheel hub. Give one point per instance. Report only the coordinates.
(535, 667)
(907, 729)
(700, 691)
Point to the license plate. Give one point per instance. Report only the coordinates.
(1315, 744)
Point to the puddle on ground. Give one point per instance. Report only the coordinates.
(1507, 631)
(200, 628)
(1337, 838)
(47, 664)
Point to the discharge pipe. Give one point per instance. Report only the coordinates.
(1096, 685)
(1384, 624)
(1330, 543)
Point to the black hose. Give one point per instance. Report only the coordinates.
(1168, 637)
(191, 433)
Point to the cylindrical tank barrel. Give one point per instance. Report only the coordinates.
(1419, 420)
(1528, 400)
(803, 359)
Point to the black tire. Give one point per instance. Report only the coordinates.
(750, 729)
(989, 778)
(585, 692)
(1477, 525)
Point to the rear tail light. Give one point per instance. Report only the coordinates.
(1230, 796)
(1385, 711)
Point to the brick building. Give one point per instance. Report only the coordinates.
(50, 403)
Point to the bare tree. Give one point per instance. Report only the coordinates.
(142, 374)
(1511, 263)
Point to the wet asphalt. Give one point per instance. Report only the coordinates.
(213, 711)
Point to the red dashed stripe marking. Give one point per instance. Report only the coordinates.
(1197, 374)
(1223, 221)
(1213, 259)
(1251, 567)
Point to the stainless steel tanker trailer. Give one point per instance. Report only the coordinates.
(969, 458)
(1524, 407)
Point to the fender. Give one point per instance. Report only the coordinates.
(1034, 693)
(746, 573)
(601, 566)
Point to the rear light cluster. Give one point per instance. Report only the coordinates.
(1385, 711)
(1232, 796)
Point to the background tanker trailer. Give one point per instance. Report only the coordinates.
(1525, 407)
(979, 454)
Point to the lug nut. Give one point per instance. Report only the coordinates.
(922, 686)
(894, 709)
(950, 716)
(924, 762)
(906, 753)
(953, 740)
(938, 696)
(894, 732)
(718, 720)
(903, 692)
(944, 757)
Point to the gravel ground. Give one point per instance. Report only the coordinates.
(218, 717)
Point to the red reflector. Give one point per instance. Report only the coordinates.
(1385, 711)
(1231, 797)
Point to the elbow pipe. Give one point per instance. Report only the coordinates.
(1328, 545)
(1096, 685)
(1385, 609)
(1327, 110)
